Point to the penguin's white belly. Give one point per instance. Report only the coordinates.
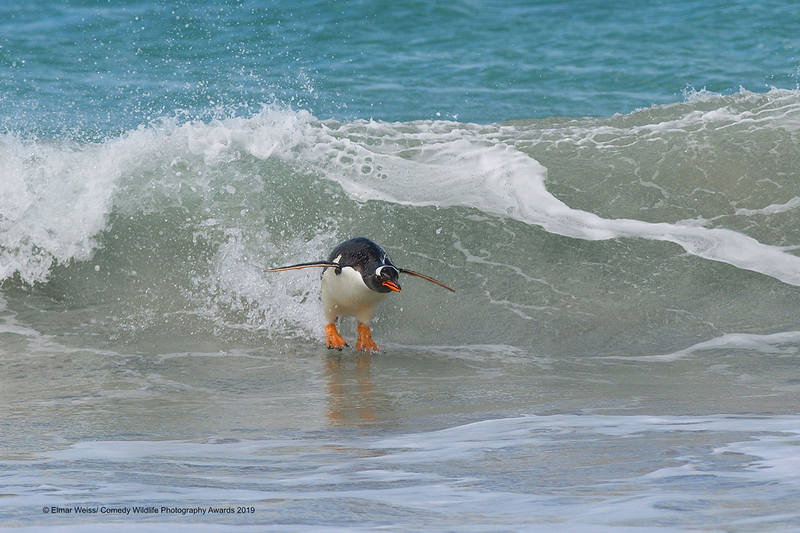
(347, 294)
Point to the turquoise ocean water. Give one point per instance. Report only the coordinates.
(613, 190)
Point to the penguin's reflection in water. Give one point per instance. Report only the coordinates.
(351, 398)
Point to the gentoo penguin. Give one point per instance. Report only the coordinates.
(356, 277)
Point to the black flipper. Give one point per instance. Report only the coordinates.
(423, 276)
(337, 266)
(321, 264)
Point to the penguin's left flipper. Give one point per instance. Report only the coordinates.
(423, 276)
(321, 264)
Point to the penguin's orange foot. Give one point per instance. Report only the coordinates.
(332, 337)
(364, 341)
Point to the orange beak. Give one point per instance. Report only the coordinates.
(391, 285)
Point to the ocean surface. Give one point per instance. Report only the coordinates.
(613, 189)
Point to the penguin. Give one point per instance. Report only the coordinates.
(357, 276)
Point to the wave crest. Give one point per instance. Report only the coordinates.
(57, 196)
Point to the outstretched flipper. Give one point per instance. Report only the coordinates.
(423, 276)
(327, 264)
(322, 264)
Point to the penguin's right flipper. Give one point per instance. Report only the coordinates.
(321, 264)
(428, 278)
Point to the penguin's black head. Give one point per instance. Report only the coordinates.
(368, 259)
(384, 279)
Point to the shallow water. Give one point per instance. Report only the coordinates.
(415, 438)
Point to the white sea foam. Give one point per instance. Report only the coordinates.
(465, 170)
(771, 209)
(276, 303)
(785, 342)
(56, 198)
(446, 165)
(53, 202)
(520, 473)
